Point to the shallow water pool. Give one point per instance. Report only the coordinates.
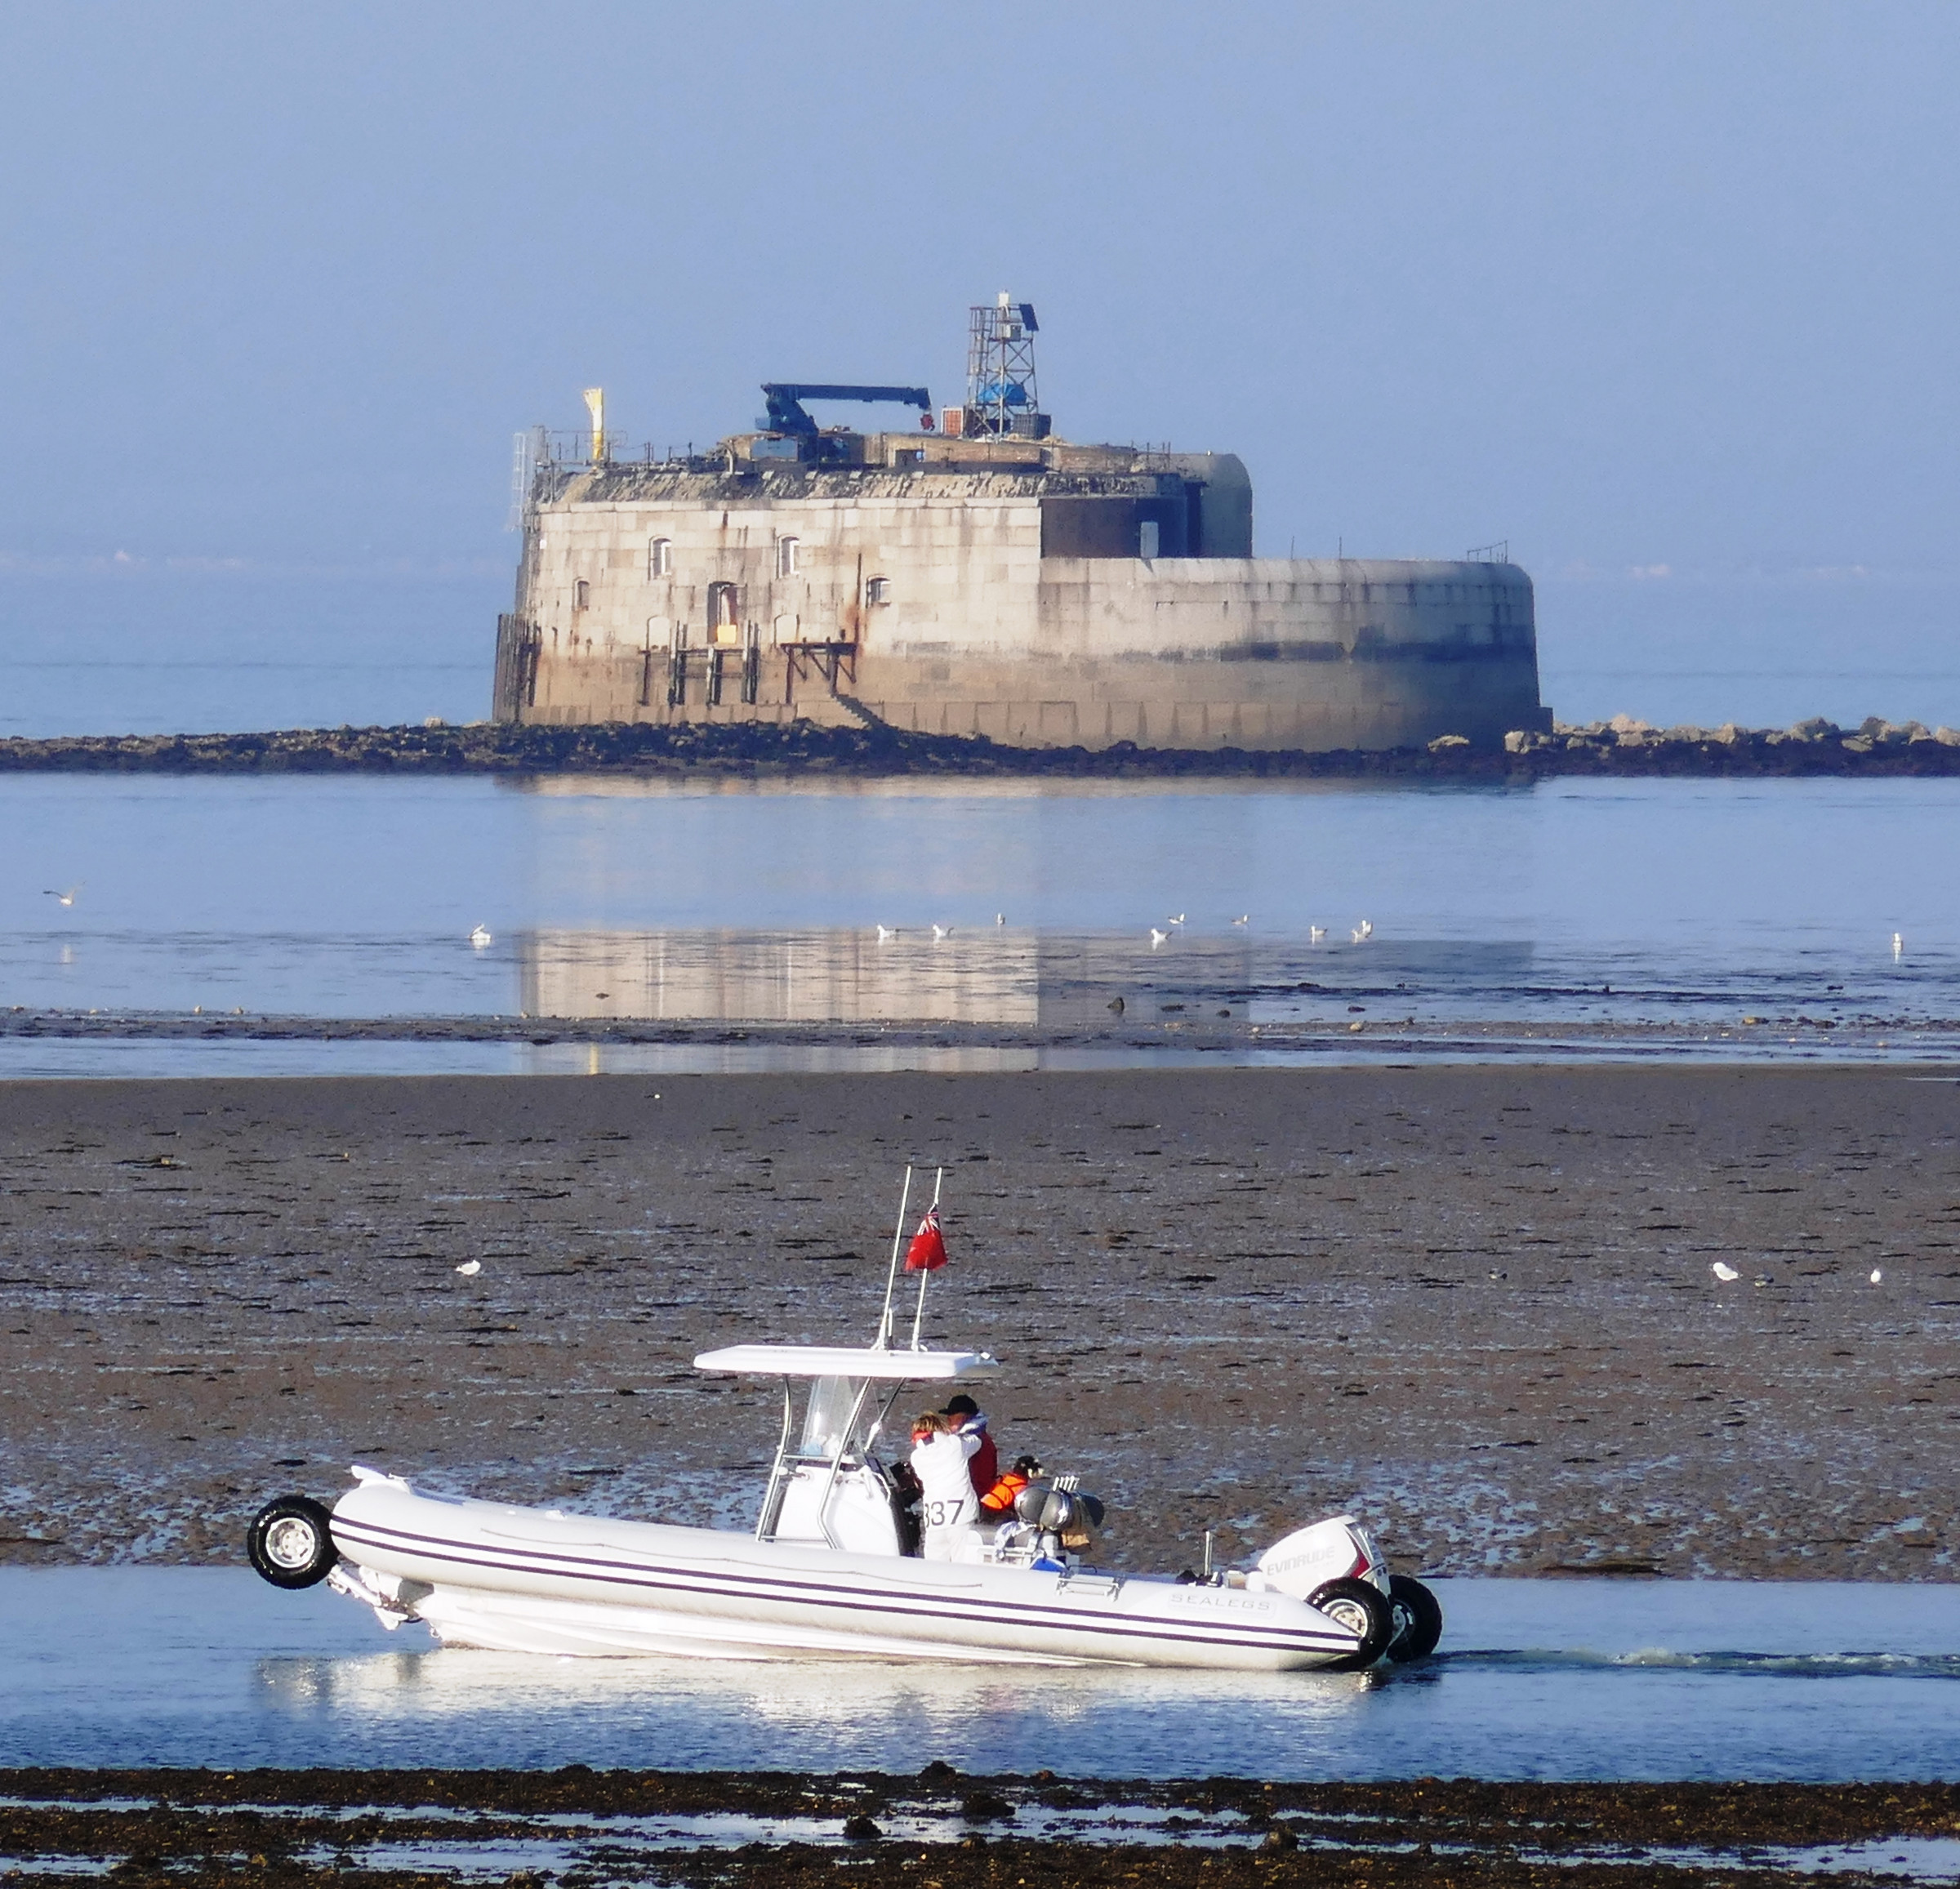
(1579, 1679)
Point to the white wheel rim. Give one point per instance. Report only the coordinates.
(1350, 1615)
(290, 1541)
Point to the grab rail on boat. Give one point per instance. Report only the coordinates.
(771, 1496)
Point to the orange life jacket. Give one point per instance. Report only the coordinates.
(999, 1499)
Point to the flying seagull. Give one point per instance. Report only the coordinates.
(1244, 918)
(1157, 938)
(1176, 918)
(1363, 932)
(66, 897)
(943, 931)
(885, 931)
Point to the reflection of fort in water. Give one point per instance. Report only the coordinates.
(786, 976)
(991, 974)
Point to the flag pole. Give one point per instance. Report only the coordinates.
(891, 1278)
(925, 1274)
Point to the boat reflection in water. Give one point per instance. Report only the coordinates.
(488, 1707)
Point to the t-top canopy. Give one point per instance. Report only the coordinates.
(820, 1360)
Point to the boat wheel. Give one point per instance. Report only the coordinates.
(1419, 1620)
(1363, 1609)
(291, 1542)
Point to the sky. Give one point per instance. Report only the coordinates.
(1664, 296)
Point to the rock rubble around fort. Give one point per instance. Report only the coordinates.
(1622, 746)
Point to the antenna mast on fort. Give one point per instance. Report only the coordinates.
(1000, 396)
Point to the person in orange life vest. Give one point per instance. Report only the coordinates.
(998, 1503)
(966, 1419)
(947, 1505)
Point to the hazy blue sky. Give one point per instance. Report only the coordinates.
(1657, 289)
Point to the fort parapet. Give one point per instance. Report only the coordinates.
(1036, 592)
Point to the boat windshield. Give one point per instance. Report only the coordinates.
(829, 1429)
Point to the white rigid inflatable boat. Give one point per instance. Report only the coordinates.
(828, 1572)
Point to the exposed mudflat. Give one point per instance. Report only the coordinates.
(1474, 1304)
(941, 1828)
(1216, 1029)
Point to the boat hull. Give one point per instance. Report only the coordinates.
(539, 1580)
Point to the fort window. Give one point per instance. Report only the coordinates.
(581, 596)
(878, 591)
(1147, 538)
(660, 557)
(787, 553)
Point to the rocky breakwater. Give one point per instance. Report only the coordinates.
(1624, 745)
(1621, 746)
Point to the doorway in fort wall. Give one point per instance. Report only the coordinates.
(724, 615)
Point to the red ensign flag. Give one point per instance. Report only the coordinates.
(927, 1253)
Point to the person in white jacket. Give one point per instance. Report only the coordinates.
(947, 1505)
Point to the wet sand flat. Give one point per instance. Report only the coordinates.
(1474, 1304)
(382, 1828)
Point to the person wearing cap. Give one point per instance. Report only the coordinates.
(968, 1419)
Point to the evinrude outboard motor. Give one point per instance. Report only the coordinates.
(1334, 1566)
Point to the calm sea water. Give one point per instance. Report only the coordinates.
(1537, 1679)
(1683, 902)
(356, 898)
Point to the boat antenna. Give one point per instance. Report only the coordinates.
(891, 1278)
(924, 1273)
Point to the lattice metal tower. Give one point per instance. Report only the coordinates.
(1000, 396)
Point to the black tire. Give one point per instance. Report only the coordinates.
(291, 1542)
(1363, 1609)
(1419, 1620)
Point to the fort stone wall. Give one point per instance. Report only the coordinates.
(922, 597)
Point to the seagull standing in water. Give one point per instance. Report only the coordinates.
(1898, 942)
(941, 931)
(1364, 931)
(480, 938)
(1316, 933)
(1158, 938)
(885, 931)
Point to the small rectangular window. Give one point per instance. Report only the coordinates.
(878, 591)
(581, 596)
(787, 553)
(1147, 538)
(660, 557)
